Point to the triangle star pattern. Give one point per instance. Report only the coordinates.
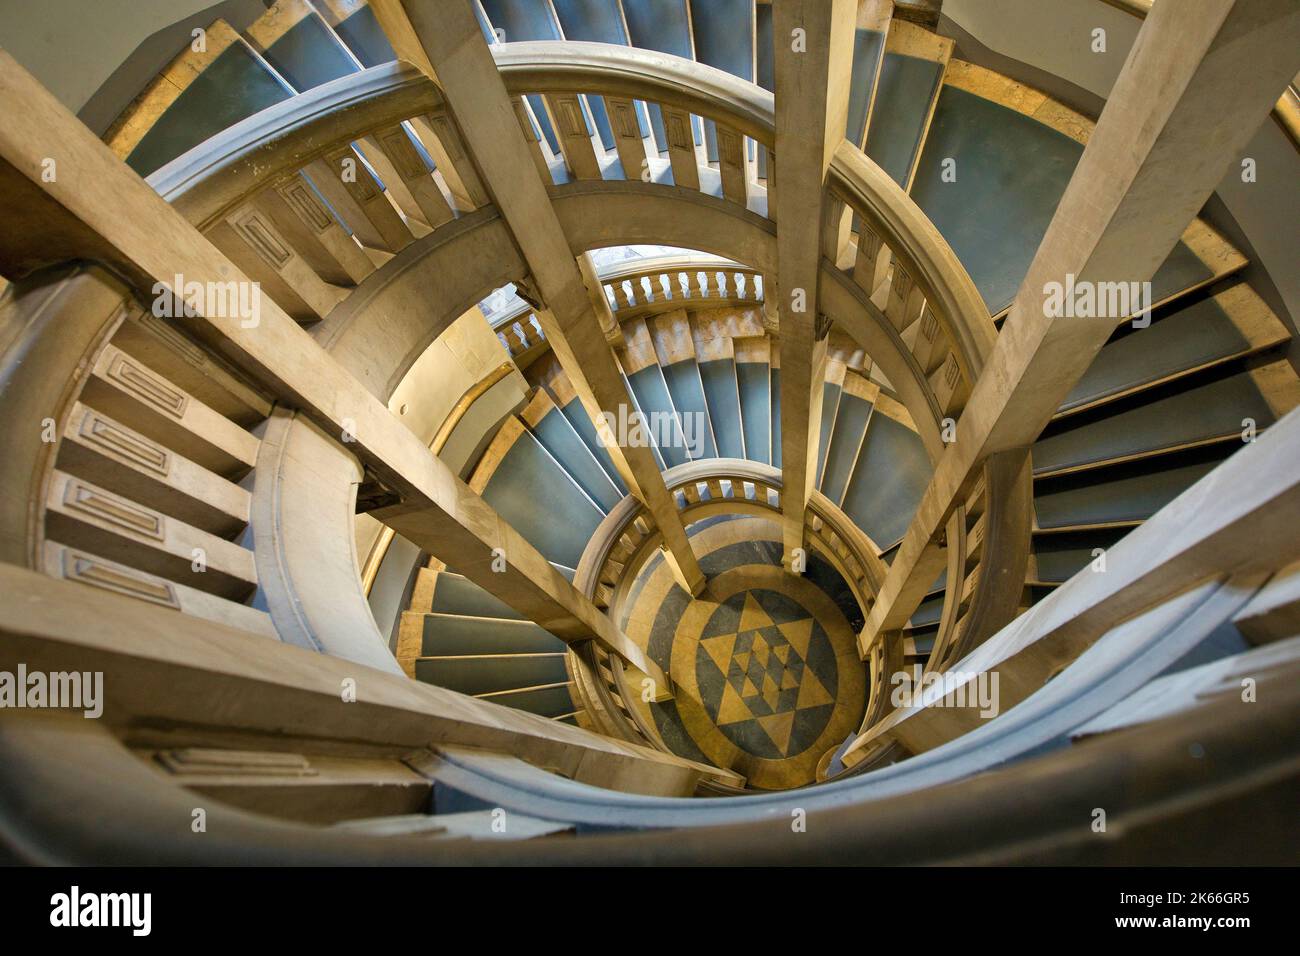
(768, 683)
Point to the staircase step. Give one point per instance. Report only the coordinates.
(831, 390)
(753, 373)
(520, 479)
(1010, 174)
(775, 392)
(686, 387)
(891, 475)
(557, 435)
(719, 379)
(1210, 412)
(646, 384)
(1126, 495)
(928, 613)
(299, 44)
(356, 25)
(911, 76)
(851, 423)
(1058, 557)
(1214, 330)
(459, 635)
(487, 673)
(197, 96)
(551, 700)
(868, 50)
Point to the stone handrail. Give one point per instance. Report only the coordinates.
(277, 143)
(640, 286)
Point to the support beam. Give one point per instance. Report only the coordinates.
(210, 682)
(445, 40)
(813, 40)
(95, 207)
(1192, 93)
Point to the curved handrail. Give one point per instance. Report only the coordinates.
(213, 178)
(940, 274)
(520, 331)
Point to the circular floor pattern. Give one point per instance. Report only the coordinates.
(765, 663)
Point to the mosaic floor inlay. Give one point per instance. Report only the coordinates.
(765, 663)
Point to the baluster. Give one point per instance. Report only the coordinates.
(871, 265)
(348, 186)
(307, 224)
(257, 248)
(681, 147)
(627, 137)
(570, 122)
(440, 137)
(408, 180)
(535, 145)
(731, 163)
(905, 298)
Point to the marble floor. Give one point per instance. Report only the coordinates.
(765, 663)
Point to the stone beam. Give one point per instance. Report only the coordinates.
(813, 41)
(445, 39)
(1192, 93)
(216, 680)
(92, 206)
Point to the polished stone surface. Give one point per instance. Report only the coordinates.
(765, 665)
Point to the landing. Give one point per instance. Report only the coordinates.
(765, 663)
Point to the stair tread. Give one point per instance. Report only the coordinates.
(686, 389)
(457, 635)
(365, 37)
(1192, 338)
(457, 594)
(891, 475)
(531, 490)
(754, 383)
(851, 425)
(233, 86)
(300, 46)
(1208, 412)
(725, 401)
(485, 674)
(566, 446)
(1132, 498)
(908, 86)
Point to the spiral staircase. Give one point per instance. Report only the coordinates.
(383, 482)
